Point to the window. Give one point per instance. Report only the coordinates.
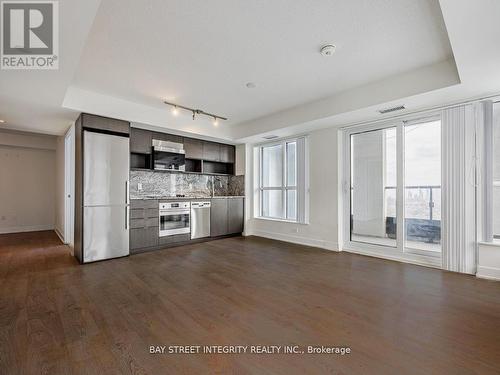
(282, 180)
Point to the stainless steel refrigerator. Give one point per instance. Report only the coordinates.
(105, 196)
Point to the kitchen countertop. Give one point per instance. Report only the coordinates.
(184, 198)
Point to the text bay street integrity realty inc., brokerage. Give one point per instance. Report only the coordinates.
(248, 349)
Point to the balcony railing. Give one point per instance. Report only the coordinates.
(420, 226)
(430, 202)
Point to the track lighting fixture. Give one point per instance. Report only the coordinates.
(175, 111)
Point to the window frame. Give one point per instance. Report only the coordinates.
(496, 236)
(494, 124)
(300, 209)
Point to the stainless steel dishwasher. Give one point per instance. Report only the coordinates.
(200, 219)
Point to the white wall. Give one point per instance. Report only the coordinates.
(322, 230)
(489, 261)
(239, 156)
(27, 182)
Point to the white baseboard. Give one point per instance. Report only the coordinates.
(489, 273)
(28, 228)
(327, 245)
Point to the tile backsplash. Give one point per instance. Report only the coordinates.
(167, 184)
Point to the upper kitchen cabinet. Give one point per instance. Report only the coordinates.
(104, 124)
(200, 156)
(226, 153)
(193, 148)
(211, 151)
(168, 137)
(218, 158)
(140, 141)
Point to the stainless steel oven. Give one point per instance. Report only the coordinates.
(175, 218)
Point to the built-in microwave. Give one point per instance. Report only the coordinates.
(175, 218)
(168, 155)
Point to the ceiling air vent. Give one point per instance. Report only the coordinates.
(268, 137)
(393, 109)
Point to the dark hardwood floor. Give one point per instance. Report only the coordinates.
(57, 317)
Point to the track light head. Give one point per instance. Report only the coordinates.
(216, 121)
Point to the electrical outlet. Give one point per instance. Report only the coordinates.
(139, 186)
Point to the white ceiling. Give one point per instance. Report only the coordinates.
(200, 54)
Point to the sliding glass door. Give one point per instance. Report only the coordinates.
(422, 169)
(373, 182)
(393, 198)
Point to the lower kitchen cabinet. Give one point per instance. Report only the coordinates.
(174, 239)
(143, 238)
(144, 225)
(226, 216)
(235, 213)
(218, 217)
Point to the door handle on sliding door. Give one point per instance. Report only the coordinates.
(126, 217)
(127, 192)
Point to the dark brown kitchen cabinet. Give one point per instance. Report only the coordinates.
(226, 153)
(193, 148)
(211, 151)
(105, 124)
(143, 238)
(140, 141)
(144, 225)
(226, 216)
(201, 156)
(235, 212)
(218, 217)
(168, 137)
(176, 238)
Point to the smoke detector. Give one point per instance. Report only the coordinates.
(328, 50)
